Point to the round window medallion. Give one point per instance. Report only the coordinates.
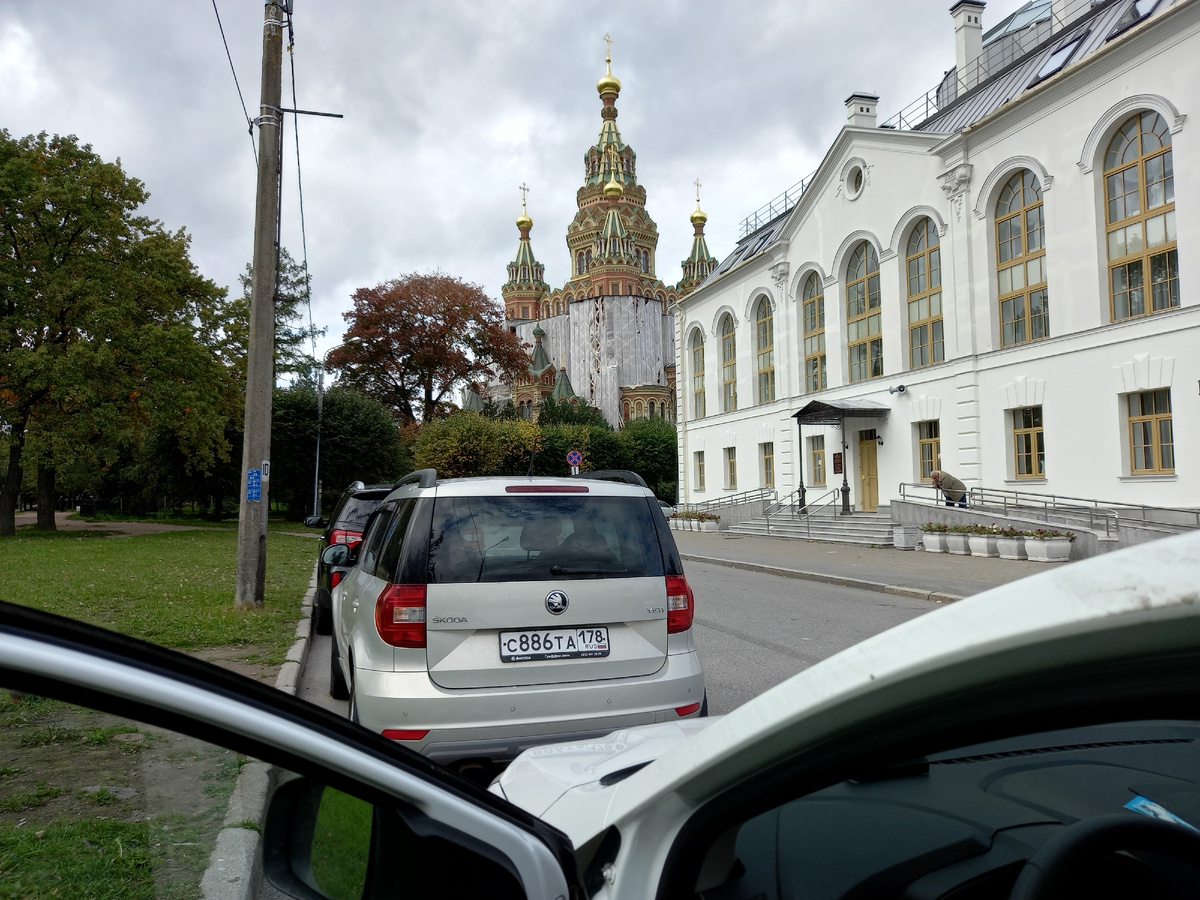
(854, 182)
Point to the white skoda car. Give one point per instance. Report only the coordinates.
(484, 616)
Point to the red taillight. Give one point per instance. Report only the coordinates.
(687, 710)
(335, 578)
(342, 536)
(409, 734)
(400, 615)
(681, 604)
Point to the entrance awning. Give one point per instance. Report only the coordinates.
(818, 412)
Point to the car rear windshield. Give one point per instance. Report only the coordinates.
(358, 509)
(526, 538)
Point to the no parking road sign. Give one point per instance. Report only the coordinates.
(574, 459)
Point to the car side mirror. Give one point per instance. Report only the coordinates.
(317, 842)
(339, 555)
(314, 521)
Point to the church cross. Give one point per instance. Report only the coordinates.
(697, 183)
(524, 189)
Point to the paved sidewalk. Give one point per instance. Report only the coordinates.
(936, 576)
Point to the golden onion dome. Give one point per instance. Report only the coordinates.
(608, 83)
(613, 188)
(524, 222)
(698, 217)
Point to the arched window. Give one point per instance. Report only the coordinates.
(580, 266)
(546, 310)
(652, 409)
(625, 410)
(765, 332)
(639, 410)
(587, 261)
(925, 341)
(814, 334)
(1021, 261)
(728, 365)
(1139, 187)
(558, 307)
(862, 314)
(698, 375)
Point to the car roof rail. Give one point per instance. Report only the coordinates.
(426, 478)
(615, 475)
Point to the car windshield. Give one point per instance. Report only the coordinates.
(540, 538)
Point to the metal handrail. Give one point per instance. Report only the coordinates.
(750, 496)
(1113, 514)
(812, 508)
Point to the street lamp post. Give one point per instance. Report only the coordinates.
(317, 465)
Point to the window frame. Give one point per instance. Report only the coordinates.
(1167, 249)
(1029, 442)
(731, 468)
(728, 364)
(816, 450)
(1018, 183)
(863, 285)
(699, 399)
(767, 454)
(813, 312)
(699, 458)
(1156, 419)
(924, 256)
(764, 328)
(929, 436)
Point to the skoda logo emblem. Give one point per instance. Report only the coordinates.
(557, 603)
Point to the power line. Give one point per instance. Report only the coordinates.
(229, 56)
(312, 336)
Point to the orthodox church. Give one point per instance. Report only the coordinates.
(607, 336)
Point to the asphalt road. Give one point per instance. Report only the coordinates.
(756, 630)
(753, 631)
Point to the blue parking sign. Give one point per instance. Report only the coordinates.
(254, 484)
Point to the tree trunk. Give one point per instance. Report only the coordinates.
(47, 498)
(12, 483)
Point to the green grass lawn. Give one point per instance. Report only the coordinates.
(172, 589)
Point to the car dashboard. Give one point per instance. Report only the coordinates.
(961, 825)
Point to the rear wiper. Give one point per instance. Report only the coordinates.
(563, 570)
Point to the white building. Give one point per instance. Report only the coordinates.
(990, 286)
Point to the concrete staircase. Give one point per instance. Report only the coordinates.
(864, 529)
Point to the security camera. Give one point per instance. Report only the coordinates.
(899, 389)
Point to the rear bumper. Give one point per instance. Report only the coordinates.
(500, 723)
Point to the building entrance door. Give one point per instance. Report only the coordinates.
(868, 471)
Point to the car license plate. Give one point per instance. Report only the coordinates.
(553, 643)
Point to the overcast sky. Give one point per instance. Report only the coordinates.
(450, 105)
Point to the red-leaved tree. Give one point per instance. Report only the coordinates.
(415, 339)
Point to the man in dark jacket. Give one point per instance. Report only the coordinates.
(955, 490)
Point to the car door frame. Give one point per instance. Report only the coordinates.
(67, 660)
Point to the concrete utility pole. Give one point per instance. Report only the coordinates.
(260, 357)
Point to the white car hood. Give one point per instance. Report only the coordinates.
(539, 778)
(969, 642)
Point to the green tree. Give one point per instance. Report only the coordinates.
(468, 443)
(653, 452)
(293, 334)
(359, 442)
(99, 309)
(564, 412)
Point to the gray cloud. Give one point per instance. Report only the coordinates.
(449, 106)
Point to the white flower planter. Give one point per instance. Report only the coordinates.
(1048, 550)
(957, 543)
(1011, 547)
(934, 541)
(982, 545)
(710, 526)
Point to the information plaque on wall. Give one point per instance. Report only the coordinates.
(837, 464)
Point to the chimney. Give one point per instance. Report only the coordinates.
(968, 42)
(860, 110)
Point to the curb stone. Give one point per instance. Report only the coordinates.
(235, 867)
(839, 580)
